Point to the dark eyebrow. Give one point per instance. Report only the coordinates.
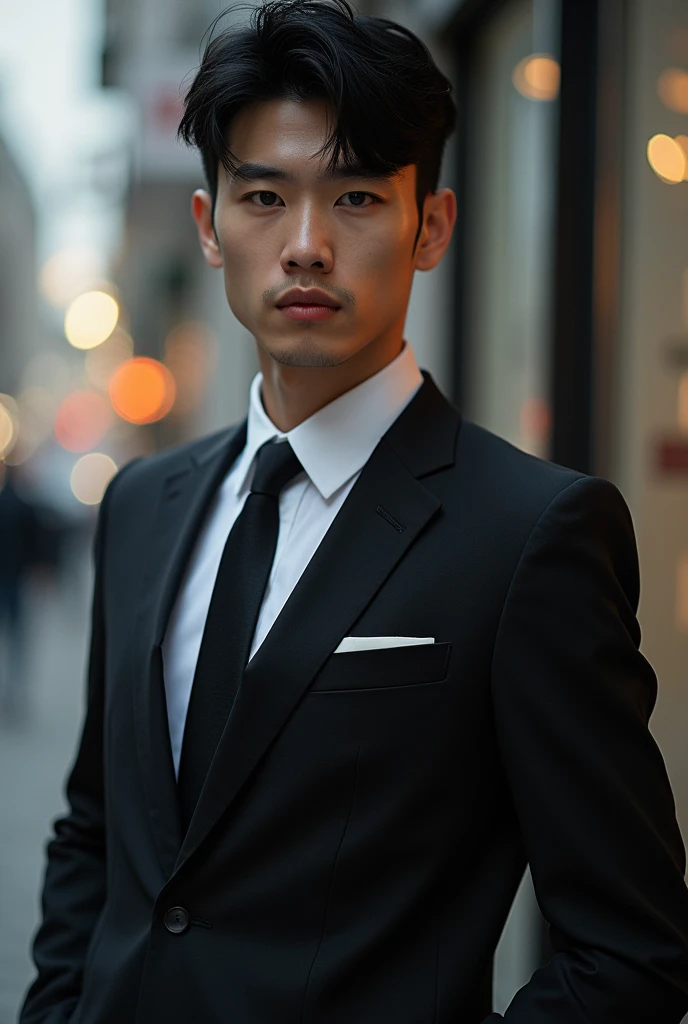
(260, 172)
(264, 172)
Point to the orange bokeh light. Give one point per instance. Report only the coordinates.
(142, 390)
(682, 140)
(82, 420)
(666, 158)
(538, 77)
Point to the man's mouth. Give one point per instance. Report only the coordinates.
(308, 311)
(307, 304)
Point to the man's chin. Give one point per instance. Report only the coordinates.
(305, 353)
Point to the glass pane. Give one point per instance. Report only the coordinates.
(511, 177)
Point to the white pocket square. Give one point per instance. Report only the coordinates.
(374, 643)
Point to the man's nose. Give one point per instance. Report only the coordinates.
(309, 241)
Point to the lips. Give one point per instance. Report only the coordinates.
(304, 297)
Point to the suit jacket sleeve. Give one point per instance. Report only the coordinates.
(74, 887)
(572, 697)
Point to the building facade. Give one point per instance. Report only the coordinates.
(18, 320)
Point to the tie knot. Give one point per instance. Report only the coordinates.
(276, 464)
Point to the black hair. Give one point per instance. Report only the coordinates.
(391, 104)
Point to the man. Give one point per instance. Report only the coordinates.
(356, 661)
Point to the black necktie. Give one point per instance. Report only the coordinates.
(232, 615)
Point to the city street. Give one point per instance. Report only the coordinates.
(35, 754)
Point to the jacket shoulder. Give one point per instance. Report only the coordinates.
(149, 471)
(500, 474)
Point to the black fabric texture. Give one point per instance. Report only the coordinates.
(232, 615)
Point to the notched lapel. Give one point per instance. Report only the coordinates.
(185, 497)
(356, 556)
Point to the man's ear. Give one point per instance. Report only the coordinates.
(440, 217)
(202, 210)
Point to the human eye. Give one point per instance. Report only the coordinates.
(356, 205)
(250, 196)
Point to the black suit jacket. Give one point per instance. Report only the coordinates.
(368, 816)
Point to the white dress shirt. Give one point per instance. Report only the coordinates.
(332, 445)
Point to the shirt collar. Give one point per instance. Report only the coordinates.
(336, 442)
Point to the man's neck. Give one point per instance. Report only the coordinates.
(293, 393)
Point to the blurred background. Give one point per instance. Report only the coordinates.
(559, 320)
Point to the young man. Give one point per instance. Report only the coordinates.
(355, 661)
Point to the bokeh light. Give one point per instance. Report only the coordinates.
(82, 420)
(666, 158)
(142, 390)
(90, 319)
(682, 141)
(190, 355)
(537, 77)
(90, 476)
(69, 272)
(29, 430)
(8, 427)
(672, 87)
(101, 362)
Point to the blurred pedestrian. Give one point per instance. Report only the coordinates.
(20, 549)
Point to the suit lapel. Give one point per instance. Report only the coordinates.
(185, 497)
(382, 517)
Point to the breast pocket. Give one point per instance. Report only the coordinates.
(385, 668)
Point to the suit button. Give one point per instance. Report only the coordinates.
(176, 920)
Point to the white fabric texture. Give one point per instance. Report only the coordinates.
(377, 643)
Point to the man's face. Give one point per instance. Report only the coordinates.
(351, 237)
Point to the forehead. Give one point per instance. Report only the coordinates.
(280, 128)
(287, 134)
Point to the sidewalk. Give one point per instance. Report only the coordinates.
(34, 758)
